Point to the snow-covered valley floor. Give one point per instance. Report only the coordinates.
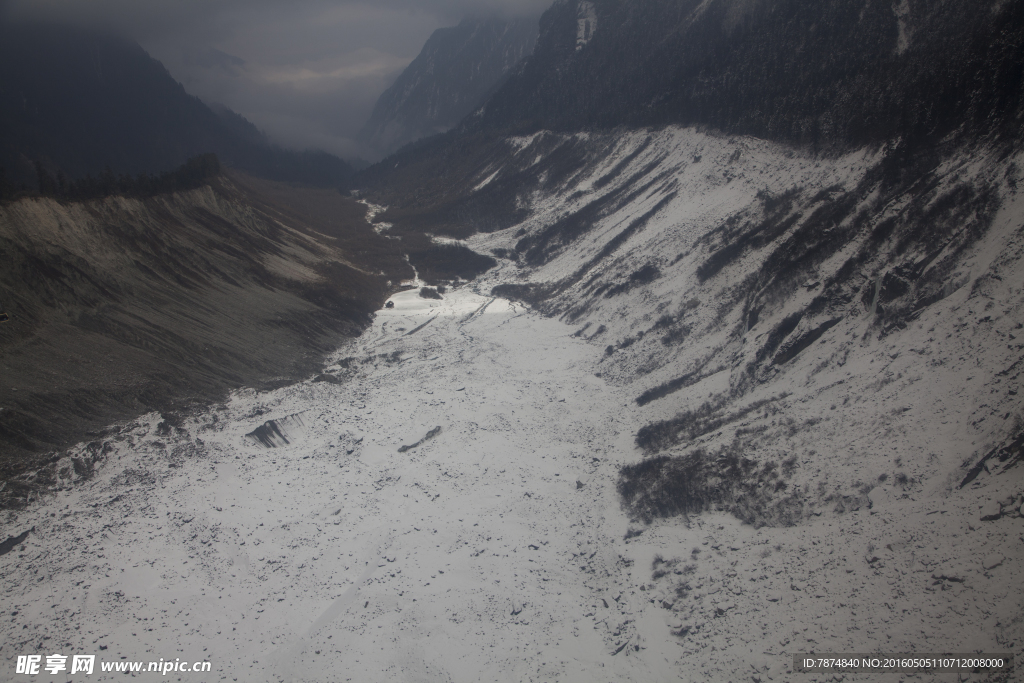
(487, 552)
(371, 546)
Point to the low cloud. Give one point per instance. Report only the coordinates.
(307, 72)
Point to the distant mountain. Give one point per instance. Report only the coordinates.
(457, 69)
(240, 126)
(79, 101)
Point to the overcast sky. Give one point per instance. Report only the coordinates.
(307, 72)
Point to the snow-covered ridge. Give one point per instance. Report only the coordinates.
(678, 277)
(767, 306)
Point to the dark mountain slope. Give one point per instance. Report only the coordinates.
(825, 73)
(456, 69)
(123, 306)
(80, 101)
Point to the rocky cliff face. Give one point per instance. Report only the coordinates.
(456, 69)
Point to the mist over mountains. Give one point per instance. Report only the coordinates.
(78, 101)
